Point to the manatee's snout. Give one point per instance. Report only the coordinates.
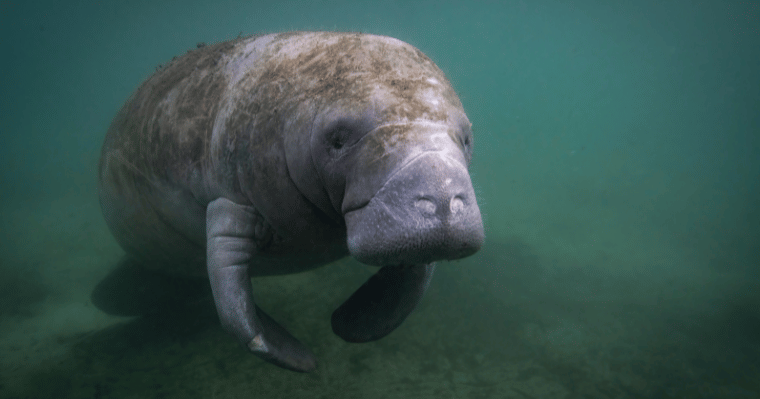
(426, 212)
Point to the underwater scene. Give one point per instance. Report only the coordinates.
(584, 174)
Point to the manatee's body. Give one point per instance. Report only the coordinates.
(277, 154)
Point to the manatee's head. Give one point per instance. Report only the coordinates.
(387, 151)
(421, 206)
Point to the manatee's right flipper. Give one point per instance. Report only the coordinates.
(230, 247)
(132, 290)
(382, 303)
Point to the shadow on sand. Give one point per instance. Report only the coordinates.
(491, 326)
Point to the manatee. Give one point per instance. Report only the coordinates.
(276, 154)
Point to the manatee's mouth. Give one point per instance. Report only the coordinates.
(386, 241)
(424, 213)
(355, 208)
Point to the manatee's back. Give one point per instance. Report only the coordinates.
(155, 148)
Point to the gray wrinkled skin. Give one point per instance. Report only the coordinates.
(280, 153)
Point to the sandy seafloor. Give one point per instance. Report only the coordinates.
(538, 327)
(617, 166)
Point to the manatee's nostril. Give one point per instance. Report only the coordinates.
(425, 206)
(456, 205)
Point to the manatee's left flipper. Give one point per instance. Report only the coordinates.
(230, 247)
(382, 303)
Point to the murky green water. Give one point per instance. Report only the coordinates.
(617, 165)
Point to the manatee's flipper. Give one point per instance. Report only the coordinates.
(131, 290)
(230, 246)
(382, 303)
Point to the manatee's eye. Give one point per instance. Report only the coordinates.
(336, 142)
(465, 141)
(337, 139)
(467, 146)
